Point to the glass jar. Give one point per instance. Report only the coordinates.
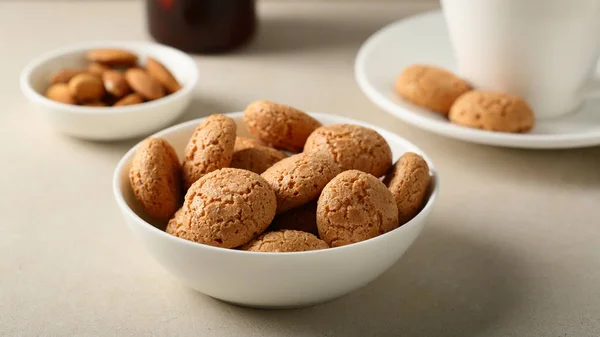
(201, 26)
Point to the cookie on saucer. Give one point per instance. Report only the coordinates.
(493, 111)
(430, 87)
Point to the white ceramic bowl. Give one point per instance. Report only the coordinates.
(109, 123)
(270, 280)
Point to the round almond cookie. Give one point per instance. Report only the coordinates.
(176, 221)
(256, 158)
(279, 125)
(430, 87)
(493, 111)
(352, 147)
(244, 143)
(225, 208)
(285, 241)
(300, 178)
(408, 180)
(155, 178)
(303, 218)
(353, 207)
(210, 148)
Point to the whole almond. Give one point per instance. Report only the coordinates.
(115, 83)
(130, 99)
(86, 87)
(97, 68)
(95, 103)
(112, 57)
(64, 75)
(60, 92)
(161, 74)
(143, 84)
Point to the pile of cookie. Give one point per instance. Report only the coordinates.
(248, 194)
(443, 92)
(113, 77)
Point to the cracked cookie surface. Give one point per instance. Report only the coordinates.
(285, 241)
(430, 87)
(176, 222)
(210, 148)
(245, 142)
(225, 208)
(408, 180)
(155, 178)
(352, 147)
(281, 126)
(353, 207)
(300, 178)
(492, 111)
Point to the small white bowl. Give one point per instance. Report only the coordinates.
(109, 123)
(270, 280)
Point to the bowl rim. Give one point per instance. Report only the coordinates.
(35, 63)
(118, 193)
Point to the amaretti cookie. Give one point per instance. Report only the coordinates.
(281, 126)
(155, 178)
(300, 178)
(210, 148)
(493, 111)
(225, 208)
(285, 241)
(353, 207)
(430, 87)
(408, 180)
(245, 142)
(256, 158)
(352, 147)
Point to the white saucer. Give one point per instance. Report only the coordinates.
(424, 39)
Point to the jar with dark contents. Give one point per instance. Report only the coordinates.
(202, 26)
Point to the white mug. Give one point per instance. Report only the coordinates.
(542, 50)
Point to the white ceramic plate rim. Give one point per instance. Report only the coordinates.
(448, 129)
(118, 193)
(38, 98)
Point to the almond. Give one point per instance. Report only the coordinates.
(143, 84)
(97, 68)
(130, 99)
(60, 92)
(112, 57)
(115, 83)
(95, 103)
(86, 87)
(159, 73)
(64, 76)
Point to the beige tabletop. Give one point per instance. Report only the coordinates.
(512, 247)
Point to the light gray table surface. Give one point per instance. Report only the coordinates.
(511, 249)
